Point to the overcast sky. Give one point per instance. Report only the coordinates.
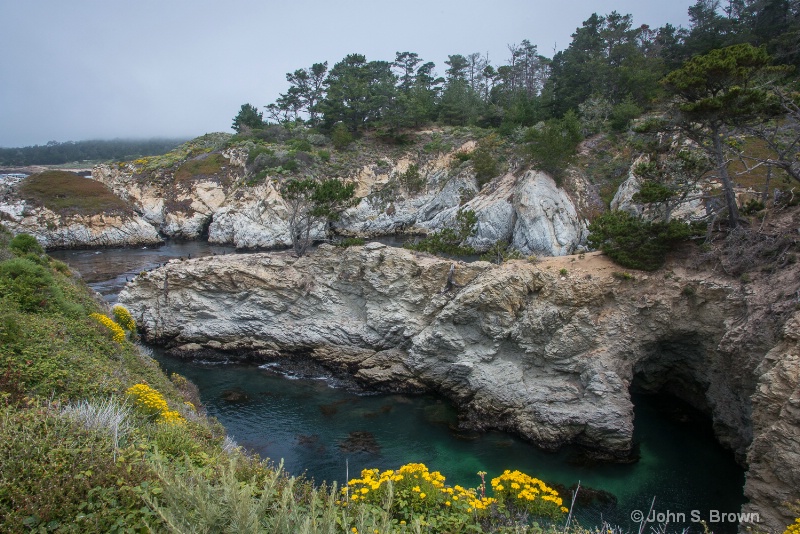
(89, 69)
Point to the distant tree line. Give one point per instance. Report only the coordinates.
(55, 153)
(610, 71)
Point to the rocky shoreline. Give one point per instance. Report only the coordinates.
(546, 350)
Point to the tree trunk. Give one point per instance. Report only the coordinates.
(727, 184)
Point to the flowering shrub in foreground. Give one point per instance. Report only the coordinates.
(518, 490)
(124, 318)
(419, 493)
(118, 334)
(794, 528)
(150, 402)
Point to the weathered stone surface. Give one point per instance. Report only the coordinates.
(528, 210)
(520, 347)
(178, 208)
(692, 210)
(776, 429)
(547, 222)
(77, 231)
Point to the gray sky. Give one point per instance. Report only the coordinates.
(88, 69)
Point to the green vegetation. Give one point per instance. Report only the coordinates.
(634, 242)
(450, 240)
(412, 180)
(351, 242)
(201, 166)
(85, 152)
(248, 118)
(200, 145)
(501, 252)
(67, 193)
(312, 205)
(716, 91)
(485, 159)
(552, 145)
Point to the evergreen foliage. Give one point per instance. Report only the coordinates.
(450, 240)
(312, 206)
(634, 242)
(551, 145)
(716, 92)
(84, 152)
(248, 117)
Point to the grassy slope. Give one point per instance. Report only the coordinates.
(66, 465)
(67, 193)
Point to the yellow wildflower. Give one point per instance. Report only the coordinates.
(117, 333)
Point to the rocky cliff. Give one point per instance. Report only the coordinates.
(400, 191)
(549, 350)
(97, 225)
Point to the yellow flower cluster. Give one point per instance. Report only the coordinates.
(794, 528)
(423, 487)
(151, 402)
(118, 334)
(528, 492)
(124, 318)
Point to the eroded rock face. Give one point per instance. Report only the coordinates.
(525, 209)
(180, 207)
(530, 211)
(527, 348)
(77, 231)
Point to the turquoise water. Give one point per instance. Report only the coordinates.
(308, 425)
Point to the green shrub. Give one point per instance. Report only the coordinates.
(500, 252)
(23, 244)
(752, 207)
(350, 242)
(341, 136)
(59, 476)
(450, 240)
(551, 147)
(484, 159)
(412, 180)
(28, 284)
(636, 243)
(623, 113)
(622, 276)
(300, 145)
(462, 156)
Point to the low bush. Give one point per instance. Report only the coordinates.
(23, 244)
(637, 243)
(450, 240)
(32, 287)
(59, 476)
(500, 252)
(351, 242)
(341, 136)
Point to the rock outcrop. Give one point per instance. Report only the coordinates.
(414, 192)
(548, 350)
(180, 203)
(72, 230)
(80, 231)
